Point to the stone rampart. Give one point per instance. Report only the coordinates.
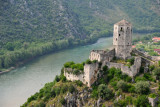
(130, 71)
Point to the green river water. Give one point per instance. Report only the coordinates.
(16, 86)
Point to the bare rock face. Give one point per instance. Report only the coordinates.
(77, 99)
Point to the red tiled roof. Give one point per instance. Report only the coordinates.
(133, 46)
(156, 38)
(157, 50)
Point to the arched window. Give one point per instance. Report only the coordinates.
(119, 34)
(121, 29)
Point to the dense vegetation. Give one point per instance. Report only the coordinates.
(111, 86)
(35, 27)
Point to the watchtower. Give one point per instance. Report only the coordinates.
(122, 39)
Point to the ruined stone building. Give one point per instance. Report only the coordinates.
(122, 48)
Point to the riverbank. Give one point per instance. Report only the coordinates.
(40, 52)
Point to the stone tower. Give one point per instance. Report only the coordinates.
(122, 39)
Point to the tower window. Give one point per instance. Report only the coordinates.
(116, 39)
(119, 34)
(121, 29)
(128, 43)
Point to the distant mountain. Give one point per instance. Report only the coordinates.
(102, 14)
(29, 24)
(37, 20)
(41, 20)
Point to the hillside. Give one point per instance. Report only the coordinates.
(35, 27)
(112, 89)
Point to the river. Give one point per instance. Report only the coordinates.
(16, 86)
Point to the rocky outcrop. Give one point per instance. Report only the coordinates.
(80, 99)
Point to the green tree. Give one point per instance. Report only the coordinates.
(142, 87)
(142, 101)
(122, 85)
(105, 92)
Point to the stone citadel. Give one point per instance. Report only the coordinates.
(122, 50)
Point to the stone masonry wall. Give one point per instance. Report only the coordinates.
(101, 55)
(90, 73)
(130, 71)
(73, 77)
(122, 39)
(89, 76)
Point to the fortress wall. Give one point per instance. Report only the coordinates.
(130, 71)
(112, 64)
(90, 73)
(110, 55)
(101, 55)
(72, 77)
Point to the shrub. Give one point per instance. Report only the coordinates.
(114, 85)
(62, 101)
(104, 92)
(88, 61)
(57, 90)
(76, 72)
(57, 79)
(122, 85)
(152, 95)
(68, 64)
(64, 89)
(63, 78)
(94, 93)
(148, 76)
(156, 72)
(33, 97)
(79, 83)
(131, 88)
(120, 103)
(53, 93)
(105, 68)
(151, 68)
(94, 61)
(128, 79)
(142, 101)
(40, 104)
(129, 100)
(131, 61)
(71, 89)
(140, 79)
(142, 87)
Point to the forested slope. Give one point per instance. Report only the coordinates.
(35, 27)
